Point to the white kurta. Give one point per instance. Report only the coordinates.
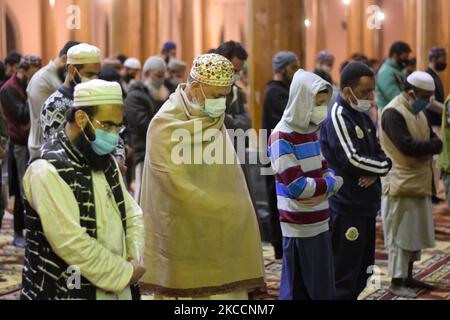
(408, 222)
(408, 228)
(103, 261)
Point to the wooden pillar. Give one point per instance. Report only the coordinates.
(445, 27)
(125, 29)
(84, 34)
(3, 52)
(48, 31)
(410, 14)
(373, 35)
(150, 28)
(319, 25)
(355, 30)
(432, 30)
(363, 36)
(209, 21)
(273, 26)
(189, 32)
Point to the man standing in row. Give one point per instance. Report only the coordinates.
(409, 141)
(350, 145)
(13, 99)
(43, 84)
(83, 64)
(285, 64)
(391, 75)
(202, 237)
(81, 220)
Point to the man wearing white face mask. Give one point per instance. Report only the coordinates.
(153, 75)
(202, 236)
(83, 64)
(350, 145)
(304, 183)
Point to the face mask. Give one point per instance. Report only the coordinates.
(362, 105)
(319, 115)
(403, 63)
(326, 68)
(105, 142)
(441, 66)
(214, 108)
(83, 79)
(419, 105)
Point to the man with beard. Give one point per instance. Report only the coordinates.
(41, 86)
(132, 67)
(176, 69)
(83, 64)
(80, 217)
(13, 100)
(285, 64)
(153, 75)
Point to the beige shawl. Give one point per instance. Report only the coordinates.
(202, 235)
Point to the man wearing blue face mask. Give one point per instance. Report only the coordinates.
(350, 145)
(409, 141)
(79, 213)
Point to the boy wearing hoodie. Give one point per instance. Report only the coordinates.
(304, 182)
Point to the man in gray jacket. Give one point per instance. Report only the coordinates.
(41, 86)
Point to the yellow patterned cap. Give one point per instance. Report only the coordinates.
(213, 69)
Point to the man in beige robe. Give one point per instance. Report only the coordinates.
(202, 236)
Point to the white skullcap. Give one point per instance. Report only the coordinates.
(156, 64)
(83, 54)
(97, 93)
(422, 80)
(132, 63)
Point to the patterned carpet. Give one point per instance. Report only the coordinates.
(434, 267)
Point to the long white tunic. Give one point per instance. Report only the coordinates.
(103, 261)
(408, 222)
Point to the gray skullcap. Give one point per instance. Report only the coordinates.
(422, 80)
(176, 65)
(155, 64)
(283, 59)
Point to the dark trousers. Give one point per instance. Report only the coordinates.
(18, 158)
(2, 202)
(352, 257)
(276, 237)
(308, 272)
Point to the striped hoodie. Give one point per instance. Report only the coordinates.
(299, 167)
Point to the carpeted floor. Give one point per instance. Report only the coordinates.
(434, 267)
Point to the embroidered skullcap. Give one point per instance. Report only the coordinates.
(213, 69)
